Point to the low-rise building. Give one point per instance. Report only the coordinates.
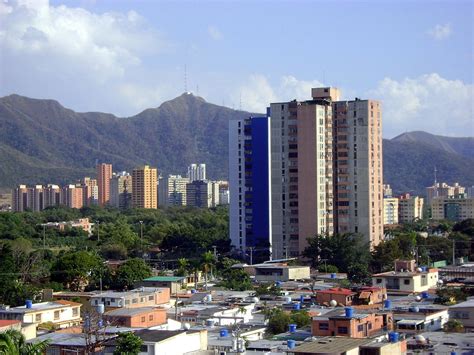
(28, 330)
(142, 317)
(61, 314)
(390, 210)
(81, 223)
(410, 208)
(420, 318)
(277, 272)
(407, 278)
(342, 296)
(429, 343)
(453, 208)
(464, 312)
(349, 323)
(140, 297)
(173, 283)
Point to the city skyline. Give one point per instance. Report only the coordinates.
(135, 51)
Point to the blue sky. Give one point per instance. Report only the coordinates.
(125, 56)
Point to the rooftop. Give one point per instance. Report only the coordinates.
(337, 291)
(7, 323)
(331, 345)
(165, 278)
(42, 306)
(130, 312)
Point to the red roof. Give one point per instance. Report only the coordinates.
(6, 323)
(337, 291)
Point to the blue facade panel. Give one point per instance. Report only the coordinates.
(260, 180)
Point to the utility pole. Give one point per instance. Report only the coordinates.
(44, 237)
(141, 237)
(251, 254)
(215, 252)
(454, 252)
(98, 231)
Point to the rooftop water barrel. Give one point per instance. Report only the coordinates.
(224, 332)
(100, 308)
(387, 304)
(292, 328)
(291, 343)
(393, 337)
(425, 294)
(333, 275)
(297, 306)
(29, 304)
(349, 312)
(193, 290)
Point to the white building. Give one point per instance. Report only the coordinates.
(62, 314)
(172, 191)
(197, 172)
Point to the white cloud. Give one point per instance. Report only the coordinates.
(257, 93)
(69, 53)
(429, 102)
(215, 33)
(440, 32)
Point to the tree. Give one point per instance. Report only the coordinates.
(76, 269)
(128, 344)
(183, 266)
(278, 321)
(12, 342)
(237, 280)
(207, 261)
(359, 273)
(453, 326)
(131, 272)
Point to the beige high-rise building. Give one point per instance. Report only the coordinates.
(441, 189)
(410, 208)
(358, 168)
(144, 187)
(121, 190)
(104, 174)
(172, 191)
(90, 190)
(390, 211)
(454, 208)
(28, 198)
(52, 195)
(72, 196)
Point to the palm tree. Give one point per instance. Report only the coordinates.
(183, 265)
(207, 261)
(12, 342)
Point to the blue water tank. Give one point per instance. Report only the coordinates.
(387, 304)
(301, 298)
(349, 312)
(224, 332)
(291, 343)
(333, 275)
(423, 269)
(393, 337)
(193, 290)
(425, 294)
(296, 306)
(29, 304)
(278, 284)
(292, 328)
(453, 353)
(413, 309)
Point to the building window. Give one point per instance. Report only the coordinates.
(342, 330)
(360, 328)
(323, 326)
(150, 317)
(135, 300)
(143, 319)
(150, 298)
(38, 317)
(56, 315)
(406, 282)
(75, 312)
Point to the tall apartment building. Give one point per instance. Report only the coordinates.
(172, 191)
(121, 190)
(28, 198)
(90, 191)
(326, 170)
(410, 208)
(390, 210)
(387, 190)
(72, 196)
(196, 172)
(52, 195)
(250, 184)
(358, 168)
(441, 189)
(201, 193)
(104, 174)
(144, 187)
(453, 208)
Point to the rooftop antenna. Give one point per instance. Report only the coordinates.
(435, 171)
(185, 79)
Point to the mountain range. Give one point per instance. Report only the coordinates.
(43, 142)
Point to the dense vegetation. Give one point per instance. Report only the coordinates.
(34, 257)
(57, 145)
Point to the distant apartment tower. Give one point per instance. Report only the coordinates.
(387, 190)
(172, 191)
(410, 208)
(390, 211)
(104, 174)
(90, 191)
(197, 172)
(121, 190)
(52, 195)
(28, 198)
(250, 184)
(201, 194)
(454, 208)
(72, 196)
(441, 189)
(144, 187)
(358, 168)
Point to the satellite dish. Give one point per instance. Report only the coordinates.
(418, 298)
(333, 303)
(186, 326)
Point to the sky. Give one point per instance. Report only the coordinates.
(122, 57)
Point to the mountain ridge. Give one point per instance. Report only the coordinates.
(42, 141)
